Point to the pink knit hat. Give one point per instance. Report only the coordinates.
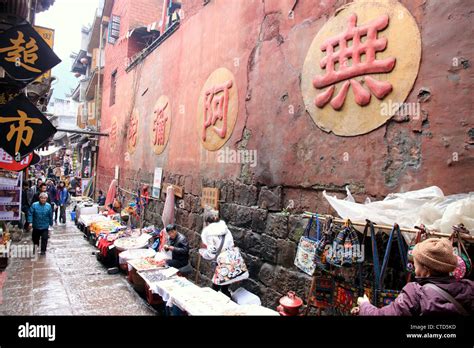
(436, 254)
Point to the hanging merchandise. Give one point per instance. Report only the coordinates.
(420, 236)
(463, 270)
(384, 297)
(306, 252)
(322, 250)
(345, 297)
(345, 249)
(324, 291)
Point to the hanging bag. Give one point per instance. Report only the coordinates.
(384, 297)
(420, 236)
(463, 270)
(322, 250)
(229, 265)
(346, 247)
(305, 254)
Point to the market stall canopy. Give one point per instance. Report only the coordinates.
(49, 151)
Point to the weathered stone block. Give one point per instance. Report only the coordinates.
(227, 212)
(238, 234)
(271, 199)
(277, 225)
(242, 217)
(269, 249)
(270, 298)
(259, 220)
(245, 194)
(252, 243)
(253, 264)
(286, 253)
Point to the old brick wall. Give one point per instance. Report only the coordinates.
(265, 51)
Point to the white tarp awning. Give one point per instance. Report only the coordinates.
(49, 151)
(428, 206)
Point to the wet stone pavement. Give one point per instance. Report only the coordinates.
(68, 280)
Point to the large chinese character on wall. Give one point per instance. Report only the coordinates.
(160, 130)
(365, 56)
(132, 135)
(113, 134)
(217, 109)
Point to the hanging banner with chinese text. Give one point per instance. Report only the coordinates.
(23, 127)
(48, 36)
(24, 54)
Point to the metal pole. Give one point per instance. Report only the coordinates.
(82, 132)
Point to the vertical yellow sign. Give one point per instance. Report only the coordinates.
(48, 35)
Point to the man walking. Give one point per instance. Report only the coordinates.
(40, 216)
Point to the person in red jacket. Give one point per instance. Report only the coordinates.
(434, 291)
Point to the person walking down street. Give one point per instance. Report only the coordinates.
(434, 291)
(30, 192)
(40, 216)
(72, 186)
(57, 172)
(52, 194)
(42, 189)
(25, 202)
(63, 196)
(36, 188)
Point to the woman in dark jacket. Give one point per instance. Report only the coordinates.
(434, 292)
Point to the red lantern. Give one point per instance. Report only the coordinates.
(290, 304)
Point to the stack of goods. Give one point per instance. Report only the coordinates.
(105, 227)
(85, 221)
(134, 254)
(158, 275)
(168, 287)
(202, 301)
(148, 263)
(133, 242)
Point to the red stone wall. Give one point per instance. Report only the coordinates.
(265, 51)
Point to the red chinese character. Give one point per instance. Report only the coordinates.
(159, 125)
(113, 131)
(348, 71)
(132, 135)
(215, 108)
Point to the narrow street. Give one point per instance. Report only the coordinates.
(68, 280)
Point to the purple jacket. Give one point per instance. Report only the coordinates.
(415, 300)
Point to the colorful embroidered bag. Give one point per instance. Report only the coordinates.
(305, 254)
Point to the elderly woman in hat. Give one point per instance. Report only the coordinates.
(434, 291)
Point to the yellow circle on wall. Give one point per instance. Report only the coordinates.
(217, 109)
(160, 129)
(361, 66)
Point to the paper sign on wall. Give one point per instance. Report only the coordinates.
(157, 182)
